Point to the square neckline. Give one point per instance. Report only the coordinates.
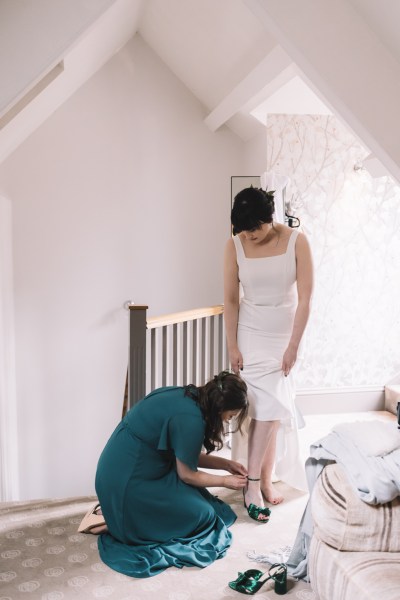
(263, 257)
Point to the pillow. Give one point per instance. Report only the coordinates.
(345, 522)
(373, 438)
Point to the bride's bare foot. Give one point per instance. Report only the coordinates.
(271, 495)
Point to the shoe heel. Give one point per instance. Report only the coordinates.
(281, 582)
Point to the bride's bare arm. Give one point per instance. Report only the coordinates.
(231, 305)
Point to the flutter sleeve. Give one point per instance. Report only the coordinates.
(186, 437)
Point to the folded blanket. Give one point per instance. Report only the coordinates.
(375, 477)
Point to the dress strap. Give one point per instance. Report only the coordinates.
(239, 247)
(292, 241)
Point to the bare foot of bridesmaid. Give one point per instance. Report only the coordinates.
(98, 530)
(93, 521)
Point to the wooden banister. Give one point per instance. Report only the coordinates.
(186, 315)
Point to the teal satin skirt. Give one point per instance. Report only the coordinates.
(155, 521)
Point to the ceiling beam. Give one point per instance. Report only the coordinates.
(272, 72)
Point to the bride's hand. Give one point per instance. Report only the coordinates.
(236, 360)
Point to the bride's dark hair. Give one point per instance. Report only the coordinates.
(251, 208)
(225, 392)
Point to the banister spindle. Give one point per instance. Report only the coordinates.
(137, 353)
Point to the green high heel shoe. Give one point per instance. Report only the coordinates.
(250, 581)
(255, 511)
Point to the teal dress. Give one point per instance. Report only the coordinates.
(154, 519)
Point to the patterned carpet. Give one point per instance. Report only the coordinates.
(42, 557)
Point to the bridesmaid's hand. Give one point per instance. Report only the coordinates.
(235, 482)
(236, 468)
(289, 359)
(236, 360)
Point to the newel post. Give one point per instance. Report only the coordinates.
(137, 353)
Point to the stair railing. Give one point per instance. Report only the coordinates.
(175, 349)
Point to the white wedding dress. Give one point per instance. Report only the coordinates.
(266, 314)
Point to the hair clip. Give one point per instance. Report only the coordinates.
(220, 377)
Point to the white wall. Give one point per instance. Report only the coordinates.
(8, 409)
(122, 194)
(255, 155)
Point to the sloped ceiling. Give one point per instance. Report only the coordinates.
(234, 55)
(218, 49)
(383, 17)
(222, 52)
(79, 36)
(48, 28)
(210, 45)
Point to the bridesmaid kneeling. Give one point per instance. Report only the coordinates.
(156, 509)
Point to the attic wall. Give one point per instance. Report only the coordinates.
(353, 224)
(123, 193)
(255, 152)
